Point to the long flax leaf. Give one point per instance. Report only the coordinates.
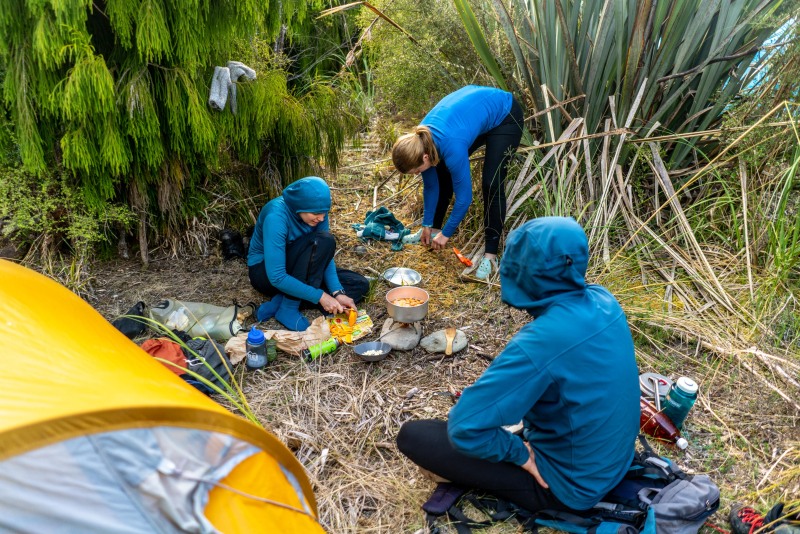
(475, 34)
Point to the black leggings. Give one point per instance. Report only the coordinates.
(306, 259)
(426, 444)
(501, 143)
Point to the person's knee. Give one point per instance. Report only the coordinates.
(359, 290)
(406, 437)
(411, 437)
(325, 246)
(417, 439)
(325, 240)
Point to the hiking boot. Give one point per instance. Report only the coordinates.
(486, 268)
(782, 522)
(745, 520)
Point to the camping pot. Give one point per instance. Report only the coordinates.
(401, 276)
(407, 314)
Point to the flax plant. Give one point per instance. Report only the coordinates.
(690, 57)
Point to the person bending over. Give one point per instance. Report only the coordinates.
(570, 376)
(291, 257)
(440, 147)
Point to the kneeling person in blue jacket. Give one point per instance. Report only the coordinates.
(570, 376)
(291, 257)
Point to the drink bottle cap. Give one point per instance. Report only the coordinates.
(682, 443)
(255, 336)
(687, 385)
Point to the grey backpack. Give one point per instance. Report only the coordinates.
(683, 505)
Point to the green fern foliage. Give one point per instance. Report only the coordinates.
(115, 93)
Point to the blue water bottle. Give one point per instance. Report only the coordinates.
(256, 347)
(680, 399)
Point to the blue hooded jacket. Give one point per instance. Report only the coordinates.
(455, 123)
(570, 375)
(279, 224)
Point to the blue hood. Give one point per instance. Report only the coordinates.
(309, 194)
(544, 259)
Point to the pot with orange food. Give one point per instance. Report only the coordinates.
(407, 304)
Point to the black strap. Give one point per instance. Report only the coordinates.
(497, 510)
(557, 515)
(668, 472)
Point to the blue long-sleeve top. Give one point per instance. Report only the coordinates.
(570, 375)
(455, 123)
(279, 224)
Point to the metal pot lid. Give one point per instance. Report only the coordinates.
(646, 384)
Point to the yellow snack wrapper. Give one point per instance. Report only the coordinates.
(342, 330)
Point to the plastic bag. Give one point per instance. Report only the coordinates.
(199, 319)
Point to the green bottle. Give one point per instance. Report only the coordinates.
(680, 399)
(315, 351)
(272, 350)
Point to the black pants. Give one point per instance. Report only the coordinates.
(426, 444)
(501, 143)
(306, 259)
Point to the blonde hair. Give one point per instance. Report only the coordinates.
(408, 150)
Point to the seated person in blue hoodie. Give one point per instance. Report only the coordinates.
(570, 376)
(440, 148)
(291, 257)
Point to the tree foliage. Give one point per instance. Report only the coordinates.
(409, 77)
(115, 93)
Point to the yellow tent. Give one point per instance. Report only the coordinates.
(97, 436)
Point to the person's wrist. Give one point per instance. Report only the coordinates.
(338, 292)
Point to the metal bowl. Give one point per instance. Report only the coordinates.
(407, 314)
(402, 276)
(372, 346)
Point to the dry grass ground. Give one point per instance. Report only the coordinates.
(340, 415)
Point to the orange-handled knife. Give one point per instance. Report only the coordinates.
(463, 259)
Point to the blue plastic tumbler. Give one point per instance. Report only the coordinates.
(680, 399)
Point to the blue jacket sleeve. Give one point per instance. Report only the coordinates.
(276, 236)
(458, 165)
(501, 396)
(430, 195)
(330, 276)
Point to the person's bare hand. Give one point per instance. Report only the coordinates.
(330, 304)
(346, 302)
(530, 467)
(425, 238)
(439, 242)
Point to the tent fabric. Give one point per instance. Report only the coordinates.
(126, 478)
(82, 405)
